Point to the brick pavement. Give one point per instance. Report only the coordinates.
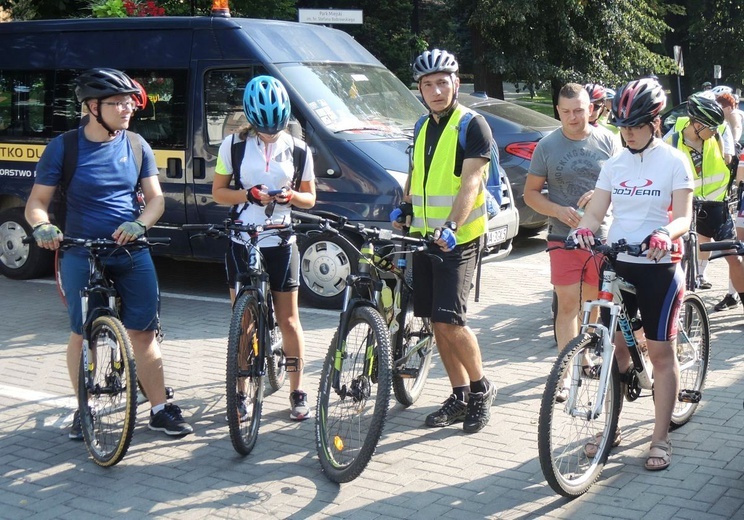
(416, 472)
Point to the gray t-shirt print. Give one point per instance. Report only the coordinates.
(571, 168)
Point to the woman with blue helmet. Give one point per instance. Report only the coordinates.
(266, 188)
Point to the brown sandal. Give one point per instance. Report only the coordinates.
(666, 459)
(592, 447)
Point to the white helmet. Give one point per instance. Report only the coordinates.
(722, 89)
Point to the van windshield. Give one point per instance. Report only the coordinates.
(355, 98)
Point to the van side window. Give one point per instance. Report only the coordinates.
(162, 122)
(25, 104)
(224, 100)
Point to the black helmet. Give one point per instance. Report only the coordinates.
(637, 103)
(705, 110)
(433, 61)
(103, 83)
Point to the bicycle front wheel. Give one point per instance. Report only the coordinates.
(244, 374)
(573, 440)
(414, 338)
(354, 396)
(107, 391)
(276, 369)
(693, 351)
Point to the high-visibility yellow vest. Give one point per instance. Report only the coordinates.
(433, 194)
(683, 121)
(713, 180)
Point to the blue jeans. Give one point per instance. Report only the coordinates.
(135, 281)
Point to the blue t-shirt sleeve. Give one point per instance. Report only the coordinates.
(149, 166)
(49, 167)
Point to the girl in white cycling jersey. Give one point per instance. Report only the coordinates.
(641, 184)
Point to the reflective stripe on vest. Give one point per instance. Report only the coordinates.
(433, 202)
(714, 179)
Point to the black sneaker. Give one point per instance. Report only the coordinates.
(452, 411)
(728, 302)
(702, 283)
(298, 409)
(76, 430)
(170, 421)
(245, 408)
(479, 409)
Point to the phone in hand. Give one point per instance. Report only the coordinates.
(274, 193)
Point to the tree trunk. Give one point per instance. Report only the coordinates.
(484, 79)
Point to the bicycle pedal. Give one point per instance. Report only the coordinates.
(407, 373)
(690, 396)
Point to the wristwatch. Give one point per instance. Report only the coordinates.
(451, 225)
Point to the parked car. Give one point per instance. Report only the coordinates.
(517, 130)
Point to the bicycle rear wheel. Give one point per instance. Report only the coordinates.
(244, 374)
(107, 391)
(693, 351)
(566, 430)
(354, 396)
(416, 333)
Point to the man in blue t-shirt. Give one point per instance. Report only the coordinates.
(102, 203)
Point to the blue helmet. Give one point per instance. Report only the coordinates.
(266, 104)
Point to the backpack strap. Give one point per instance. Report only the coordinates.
(418, 125)
(462, 129)
(69, 158)
(675, 139)
(237, 151)
(136, 144)
(299, 157)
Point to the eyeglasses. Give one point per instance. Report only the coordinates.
(712, 129)
(121, 105)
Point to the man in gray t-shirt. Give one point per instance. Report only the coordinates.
(569, 160)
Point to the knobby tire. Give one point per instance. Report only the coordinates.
(244, 374)
(562, 436)
(107, 392)
(349, 421)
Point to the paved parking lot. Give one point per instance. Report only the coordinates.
(416, 472)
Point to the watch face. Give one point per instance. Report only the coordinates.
(450, 224)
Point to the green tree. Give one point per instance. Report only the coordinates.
(607, 41)
(711, 35)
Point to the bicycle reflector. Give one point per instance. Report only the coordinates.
(606, 296)
(522, 150)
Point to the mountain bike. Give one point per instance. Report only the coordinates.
(107, 388)
(590, 413)
(254, 344)
(379, 343)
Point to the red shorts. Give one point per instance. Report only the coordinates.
(572, 267)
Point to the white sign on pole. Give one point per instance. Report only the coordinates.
(330, 16)
(717, 71)
(679, 60)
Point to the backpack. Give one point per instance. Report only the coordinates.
(69, 165)
(494, 193)
(237, 152)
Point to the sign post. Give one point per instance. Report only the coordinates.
(717, 73)
(679, 60)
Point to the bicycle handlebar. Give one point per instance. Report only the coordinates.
(613, 249)
(100, 243)
(335, 225)
(221, 230)
(737, 246)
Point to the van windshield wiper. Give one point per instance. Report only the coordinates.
(377, 129)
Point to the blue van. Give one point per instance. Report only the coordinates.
(355, 115)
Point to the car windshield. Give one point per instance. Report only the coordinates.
(355, 98)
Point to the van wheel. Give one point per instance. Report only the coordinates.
(18, 260)
(325, 262)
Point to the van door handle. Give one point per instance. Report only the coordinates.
(174, 170)
(200, 168)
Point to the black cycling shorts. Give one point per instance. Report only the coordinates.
(714, 221)
(441, 288)
(282, 264)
